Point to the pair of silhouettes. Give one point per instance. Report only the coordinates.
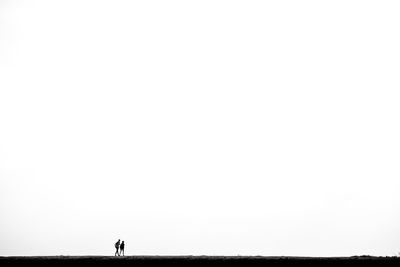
(120, 248)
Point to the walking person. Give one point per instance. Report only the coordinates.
(122, 248)
(117, 248)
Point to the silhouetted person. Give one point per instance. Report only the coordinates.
(117, 248)
(121, 248)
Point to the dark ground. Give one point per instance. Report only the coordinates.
(196, 260)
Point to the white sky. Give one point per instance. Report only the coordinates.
(200, 127)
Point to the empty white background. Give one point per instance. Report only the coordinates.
(200, 127)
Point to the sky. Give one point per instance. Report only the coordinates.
(200, 127)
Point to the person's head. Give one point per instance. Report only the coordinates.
(122, 241)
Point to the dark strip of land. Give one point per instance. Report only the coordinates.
(196, 260)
